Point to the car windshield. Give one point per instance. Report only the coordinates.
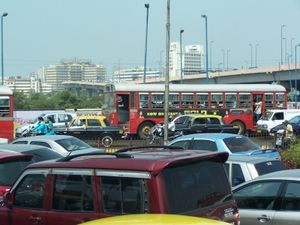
(266, 116)
(9, 171)
(185, 189)
(268, 167)
(240, 144)
(72, 144)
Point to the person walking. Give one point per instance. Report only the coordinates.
(41, 128)
(50, 126)
(288, 133)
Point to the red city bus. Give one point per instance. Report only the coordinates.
(6, 113)
(140, 106)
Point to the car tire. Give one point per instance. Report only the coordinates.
(107, 140)
(241, 125)
(144, 130)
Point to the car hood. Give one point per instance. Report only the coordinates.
(269, 153)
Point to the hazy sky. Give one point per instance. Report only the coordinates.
(109, 32)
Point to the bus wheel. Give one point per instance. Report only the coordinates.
(240, 125)
(144, 130)
(107, 140)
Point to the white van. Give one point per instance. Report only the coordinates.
(274, 117)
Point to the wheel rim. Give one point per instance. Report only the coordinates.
(107, 141)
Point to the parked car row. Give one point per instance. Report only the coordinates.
(84, 183)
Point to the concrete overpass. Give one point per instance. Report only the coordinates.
(285, 75)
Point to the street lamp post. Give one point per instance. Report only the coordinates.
(228, 50)
(251, 59)
(256, 54)
(167, 86)
(281, 28)
(2, 64)
(181, 70)
(219, 64)
(206, 47)
(295, 96)
(223, 54)
(146, 41)
(210, 55)
(292, 39)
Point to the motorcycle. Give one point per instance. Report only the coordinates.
(281, 142)
(157, 132)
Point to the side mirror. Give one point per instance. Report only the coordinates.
(7, 200)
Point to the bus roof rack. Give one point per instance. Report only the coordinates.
(149, 148)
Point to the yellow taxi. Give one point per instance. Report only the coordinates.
(154, 219)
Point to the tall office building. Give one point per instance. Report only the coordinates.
(73, 70)
(192, 60)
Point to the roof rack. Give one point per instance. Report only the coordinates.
(70, 157)
(149, 147)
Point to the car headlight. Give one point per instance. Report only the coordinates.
(265, 126)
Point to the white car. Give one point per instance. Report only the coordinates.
(63, 144)
(60, 119)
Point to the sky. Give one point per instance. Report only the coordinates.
(112, 32)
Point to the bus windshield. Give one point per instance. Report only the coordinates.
(109, 103)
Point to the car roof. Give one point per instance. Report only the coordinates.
(44, 138)
(20, 147)
(290, 174)
(137, 160)
(89, 117)
(195, 115)
(154, 219)
(249, 159)
(10, 155)
(208, 136)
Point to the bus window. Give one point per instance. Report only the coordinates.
(187, 101)
(269, 104)
(231, 99)
(245, 100)
(144, 100)
(174, 101)
(4, 106)
(202, 101)
(217, 100)
(280, 100)
(157, 101)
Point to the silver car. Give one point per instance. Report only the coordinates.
(63, 144)
(273, 198)
(242, 168)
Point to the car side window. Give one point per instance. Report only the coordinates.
(20, 142)
(93, 123)
(214, 121)
(260, 195)
(200, 121)
(278, 116)
(203, 145)
(40, 143)
(291, 199)
(52, 117)
(182, 144)
(63, 118)
(237, 175)
(30, 192)
(72, 193)
(123, 195)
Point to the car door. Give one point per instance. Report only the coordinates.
(28, 206)
(73, 199)
(94, 129)
(289, 211)
(256, 202)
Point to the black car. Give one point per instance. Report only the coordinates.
(92, 127)
(295, 122)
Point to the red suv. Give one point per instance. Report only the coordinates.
(132, 181)
(11, 165)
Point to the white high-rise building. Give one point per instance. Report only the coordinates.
(32, 84)
(192, 62)
(73, 70)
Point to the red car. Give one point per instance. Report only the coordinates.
(11, 165)
(139, 180)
